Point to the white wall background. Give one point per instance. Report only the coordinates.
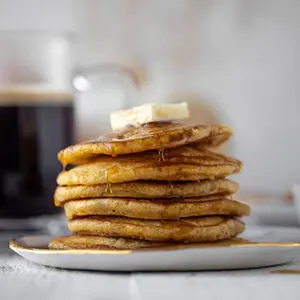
(237, 59)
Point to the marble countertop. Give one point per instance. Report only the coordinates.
(20, 279)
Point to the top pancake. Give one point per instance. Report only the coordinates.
(178, 164)
(151, 136)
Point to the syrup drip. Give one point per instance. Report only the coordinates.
(108, 188)
(107, 180)
(161, 155)
(67, 167)
(64, 164)
(113, 150)
(172, 187)
(108, 172)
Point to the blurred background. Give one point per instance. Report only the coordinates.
(235, 62)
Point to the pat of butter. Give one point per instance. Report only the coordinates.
(148, 113)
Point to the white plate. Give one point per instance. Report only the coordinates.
(268, 246)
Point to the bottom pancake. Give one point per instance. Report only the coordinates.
(200, 229)
(99, 242)
(106, 243)
(155, 209)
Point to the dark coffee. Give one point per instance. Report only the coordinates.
(32, 132)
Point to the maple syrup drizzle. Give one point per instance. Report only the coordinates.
(172, 187)
(161, 155)
(108, 172)
(107, 188)
(64, 164)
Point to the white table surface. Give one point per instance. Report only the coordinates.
(20, 279)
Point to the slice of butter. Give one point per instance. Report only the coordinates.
(148, 113)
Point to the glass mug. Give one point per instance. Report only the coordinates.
(37, 80)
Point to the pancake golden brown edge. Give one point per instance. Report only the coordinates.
(200, 229)
(179, 164)
(151, 136)
(146, 189)
(109, 243)
(156, 209)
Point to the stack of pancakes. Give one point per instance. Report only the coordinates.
(155, 184)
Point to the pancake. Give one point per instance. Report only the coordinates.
(151, 136)
(109, 243)
(200, 229)
(179, 164)
(146, 189)
(155, 209)
(99, 242)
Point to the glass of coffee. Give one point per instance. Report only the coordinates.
(36, 117)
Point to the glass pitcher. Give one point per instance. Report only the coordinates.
(37, 79)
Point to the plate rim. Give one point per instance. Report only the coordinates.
(16, 245)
